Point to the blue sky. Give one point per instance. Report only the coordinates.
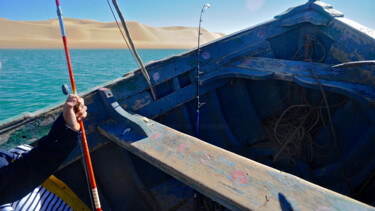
(225, 16)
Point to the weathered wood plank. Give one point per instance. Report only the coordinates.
(251, 42)
(137, 101)
(246, 41)
(217, 115)
(319, 13)
(355, 160)
(184, 112)
(358, 91)
(176, 99)
(254, 48)
(354, 41)
(235, 72)
(343, 52)
(355, 84)
(234, 181)
(248, 126)
(287, 69)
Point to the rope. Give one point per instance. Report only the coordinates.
(142, 68)
(293, 132)
(123, 36)
(309, 42)
(332, 127)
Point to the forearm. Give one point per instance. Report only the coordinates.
(24, 174)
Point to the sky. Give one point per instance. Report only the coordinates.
(226, 16)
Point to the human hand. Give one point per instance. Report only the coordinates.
(74, 111)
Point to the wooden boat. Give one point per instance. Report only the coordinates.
(265, 142)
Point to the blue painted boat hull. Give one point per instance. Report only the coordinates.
(264, 101)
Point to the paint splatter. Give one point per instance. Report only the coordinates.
(300, 67)
(155, 136)
(156, 77)
(182, 147)
(261, 33)
(206, 160)
(278, 64)
(206, 55)
(239, 177)
(343, 37)
(246, 63)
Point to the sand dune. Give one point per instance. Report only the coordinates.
(94, 34)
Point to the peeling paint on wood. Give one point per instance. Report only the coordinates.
(222, 175)
(245, 75)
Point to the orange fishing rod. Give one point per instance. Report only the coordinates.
(94, 190)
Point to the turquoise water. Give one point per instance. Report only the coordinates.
(31, 79)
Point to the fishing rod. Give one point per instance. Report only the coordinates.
(199, 104)
(94, 190)
(197, 196)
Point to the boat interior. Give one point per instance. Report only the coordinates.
(278, 117)
(269, 94)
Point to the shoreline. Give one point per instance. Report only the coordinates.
(89, 34)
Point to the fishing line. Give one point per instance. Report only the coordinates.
(86, 175)
(123, 36)
(142, 69)
(199, 104)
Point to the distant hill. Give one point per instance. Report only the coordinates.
(94, 34)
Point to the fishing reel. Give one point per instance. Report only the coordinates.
(65, 89)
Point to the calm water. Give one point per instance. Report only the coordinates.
(31, 79)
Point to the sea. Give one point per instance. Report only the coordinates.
(31, 79)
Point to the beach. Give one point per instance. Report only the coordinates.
(91, 34)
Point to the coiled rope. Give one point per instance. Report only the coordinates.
(294, 130)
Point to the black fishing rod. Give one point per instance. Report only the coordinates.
(199, 104)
